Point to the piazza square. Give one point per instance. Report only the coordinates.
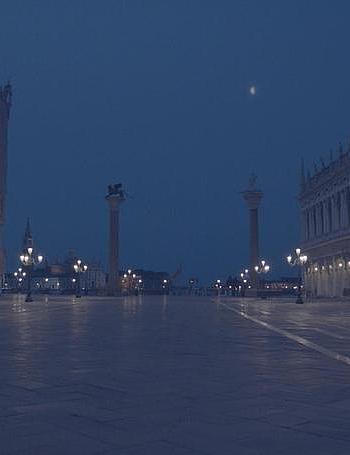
(174, 375)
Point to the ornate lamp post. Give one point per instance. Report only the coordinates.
(165, 286)
(19, 275)
(130, 282)
(29, 260)
(79, 268)
(263, 267)
(218, 286)
(138, 287)
(245, 279)
(299, 260)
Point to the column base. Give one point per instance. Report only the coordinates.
(251, 293)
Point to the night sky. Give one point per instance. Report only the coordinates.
(155, 94)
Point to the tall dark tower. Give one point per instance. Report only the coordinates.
(115, 197)
(5, 107)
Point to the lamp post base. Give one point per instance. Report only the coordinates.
(252, 292)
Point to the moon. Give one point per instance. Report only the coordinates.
(252, 90)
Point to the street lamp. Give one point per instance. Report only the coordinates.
(165, 286)
(29, 260)
(262, 267)
(245, 279)
(130, 281)
(139, 285)
(79, 268)
(19, 276)
(218, 286)
(298, 259)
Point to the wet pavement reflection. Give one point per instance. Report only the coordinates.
(173, 375)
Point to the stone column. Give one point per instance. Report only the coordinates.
(318, 219)
(303, 225)
(344, 209)
(325, 217)
(253, 197)
(312, 223)
(114, 198)
(308, 224)
(334, 212)
(5, 106)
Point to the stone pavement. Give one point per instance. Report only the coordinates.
(179, 376)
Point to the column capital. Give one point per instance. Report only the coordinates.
(253, 198)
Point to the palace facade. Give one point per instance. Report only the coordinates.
(325, 224)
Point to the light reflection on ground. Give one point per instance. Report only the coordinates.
(172, 375)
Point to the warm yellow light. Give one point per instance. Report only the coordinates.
(289, 259)
(40, 258)
(85, 268)
(22, 257)
(256, 268)
(298, 251)
(30, 250)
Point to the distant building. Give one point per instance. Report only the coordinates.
(94, 279)
(145, 281)
(325, 224)
(57, 277)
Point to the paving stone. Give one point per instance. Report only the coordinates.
(172, 375)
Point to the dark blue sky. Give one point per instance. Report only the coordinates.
(155, 94)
